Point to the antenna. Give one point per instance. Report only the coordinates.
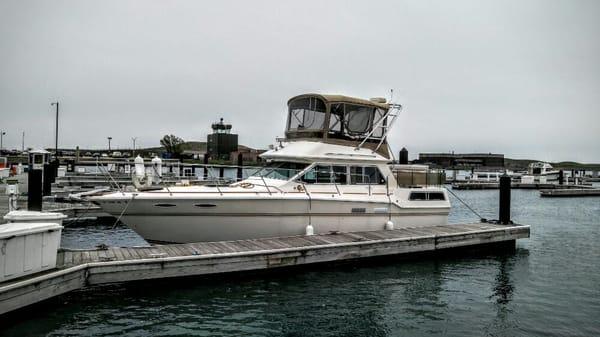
(391, 95)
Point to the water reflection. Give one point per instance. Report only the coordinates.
(505, 323)
(503, 288)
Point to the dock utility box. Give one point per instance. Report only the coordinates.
(27, 248)
(33, 216)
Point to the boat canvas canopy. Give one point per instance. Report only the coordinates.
(337, 118)
(328, 99)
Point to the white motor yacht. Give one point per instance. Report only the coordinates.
(331, 173)
(541, 172)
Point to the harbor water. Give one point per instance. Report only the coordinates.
(549, 286)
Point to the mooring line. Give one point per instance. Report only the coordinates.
(123, 211)
(464, 203)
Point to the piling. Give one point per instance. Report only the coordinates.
(240, 162)
(54, 166)
(205, 174)
(561, 177)
(47, 179)
(504, 209)
(34, 194)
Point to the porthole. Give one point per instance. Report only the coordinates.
(165, 205)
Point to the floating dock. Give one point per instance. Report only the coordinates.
(514, 185)
(580, 192)
(77, 269)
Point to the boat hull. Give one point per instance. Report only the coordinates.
(192, 220)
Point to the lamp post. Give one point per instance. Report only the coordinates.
(56, 136)
(2, 133)
(109, 139)
(133, 139)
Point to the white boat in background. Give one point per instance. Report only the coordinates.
(4, 169)
(331, 173)
(540, 173)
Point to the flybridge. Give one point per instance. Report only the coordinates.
(341, 120)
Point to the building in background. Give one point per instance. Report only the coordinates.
(462, 160)
(249, 155)
(221, 142)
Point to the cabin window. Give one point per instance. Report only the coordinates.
(358, 119)
(325, 174)
(418, 196)
(436, 196)
(340, 175)
(366, 175)
(306, 114)
(426, 196)
(280, 170)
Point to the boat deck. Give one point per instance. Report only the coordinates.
(77, 269)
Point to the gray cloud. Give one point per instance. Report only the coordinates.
(515, 77)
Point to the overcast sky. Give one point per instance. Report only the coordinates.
(515, 77)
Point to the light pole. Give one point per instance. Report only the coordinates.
(2, 133)
(133, 139)
(56, 136)
(109, 139)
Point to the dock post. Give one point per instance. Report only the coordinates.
(561, 177)
(47, 179)
(240, 162)
(55, 164)
(205, 174)
(34, 193)
(504, 210)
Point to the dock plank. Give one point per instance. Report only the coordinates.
(86, 257)
(275, 244)
(378, 235)
(254, 245)
(206, 248)
(180, 250)
(134, 253)
(126, 253)
(261, 245)
(118, 253)
(317, 240)
(77, 257)
(229, 247)
(415, 232)
(212, 248)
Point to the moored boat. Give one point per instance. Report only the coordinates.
(331, 173)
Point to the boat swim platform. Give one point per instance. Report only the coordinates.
(78, 269)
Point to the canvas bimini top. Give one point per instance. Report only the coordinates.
(340, 120)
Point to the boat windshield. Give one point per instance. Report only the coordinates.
(280, 170)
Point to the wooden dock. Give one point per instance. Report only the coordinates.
(78, 269)
(580, 192)
(515, 185)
